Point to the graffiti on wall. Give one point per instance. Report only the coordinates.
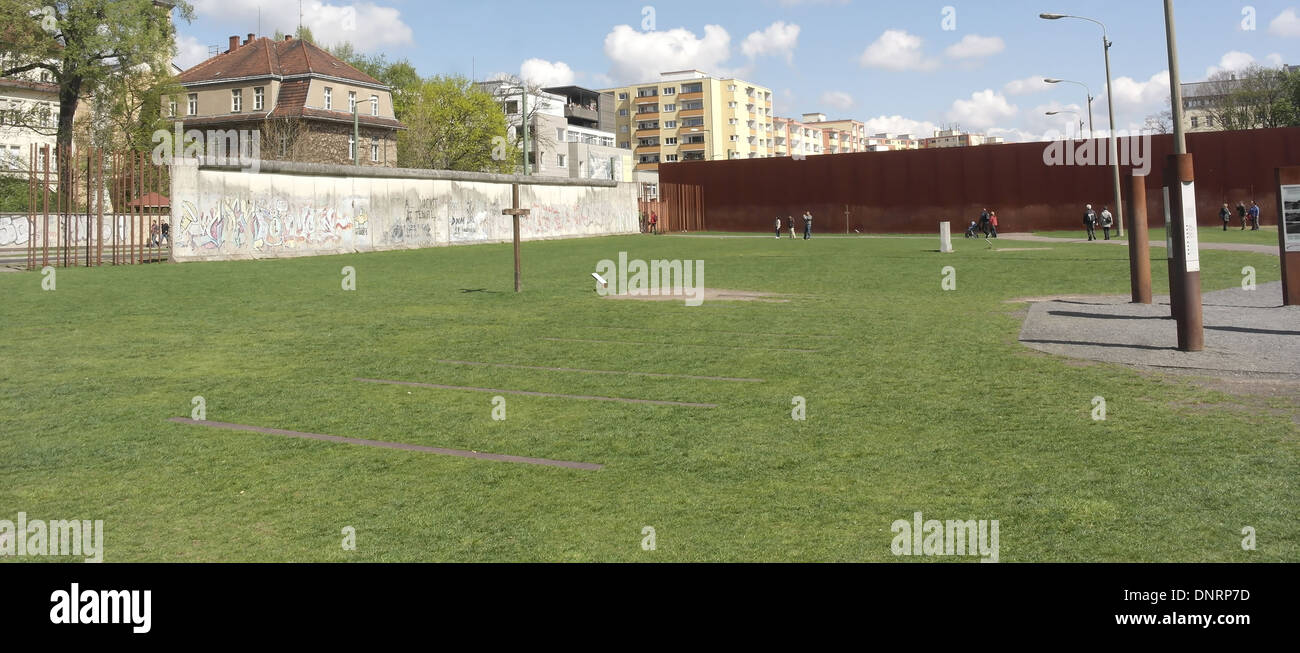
(415, 227)
(14, 231)
(240, 224)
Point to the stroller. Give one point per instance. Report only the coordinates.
(973, 231)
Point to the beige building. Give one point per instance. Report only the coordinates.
(791, 137)
(299, 98)
(692, 116)
(957, 138)
(839, 136)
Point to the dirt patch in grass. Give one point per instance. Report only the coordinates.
(1091, 299)
(711, 294)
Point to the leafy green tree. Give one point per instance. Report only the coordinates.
(452, 124)
(89, 45)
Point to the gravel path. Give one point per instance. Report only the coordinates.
(1246, 332)
(1231, 247)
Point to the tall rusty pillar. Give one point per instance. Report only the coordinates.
(1288, 236)
(1139, 246)
(1186, 298)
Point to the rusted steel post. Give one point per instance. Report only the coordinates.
(1187, 261)
(1139, 245)
(45, 207)
(1287, 236)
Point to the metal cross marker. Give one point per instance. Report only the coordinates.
(515, 212)
(847, 213)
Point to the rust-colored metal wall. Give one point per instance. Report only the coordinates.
(912, 191)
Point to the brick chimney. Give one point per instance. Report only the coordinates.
(250, 39)
(288, 37)
(234, 44)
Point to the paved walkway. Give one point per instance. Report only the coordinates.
(1246, 332)
(1231, 247)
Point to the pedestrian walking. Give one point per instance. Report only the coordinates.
(778, 227)
(1107, 221)
(790, 219)
(1241, 213)
(807, 225)
(984, 223)
(654, 223)
(1253, 214)
(1226, 216)
(993, 223)
(1090, 221)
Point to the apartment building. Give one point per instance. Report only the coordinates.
(883, 142)
(29, 115)
(795, 138)
(691, 115)
(297, 97)
(1200, 97)
(957, 138)
(570, 130)
(839, 136)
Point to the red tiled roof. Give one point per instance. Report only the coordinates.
(150, 200)
(267, 58)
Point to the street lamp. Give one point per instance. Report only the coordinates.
(1076, 115)
(1110, 101)
(1050, 80)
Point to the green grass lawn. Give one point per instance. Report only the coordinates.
(1267, 235)
(917, 400)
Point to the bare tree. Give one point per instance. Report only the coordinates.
(284, 138)
(1161, 122)
(508, 91)
(1253, 98)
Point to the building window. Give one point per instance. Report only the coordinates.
(670, 141)
(622, 129)
(192, 106)
(622, 112)
(559, 134)
(622, 96)
(374, 105)
(352, 101)
(1194, 122)
(1209, 121)
(171, 108)
(670, 107)
(624, 145)
(733, 121)
(733, 138)
(374, 150)
(512, 107)
(329, 98)
(670, 158)
(670, 124)
(259, 98)
(559, 160)
(352, 147)
(236, 100)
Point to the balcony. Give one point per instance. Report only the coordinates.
(647, 99)
(692, 147)
(699, 95)
(647, 149)
(581, 113)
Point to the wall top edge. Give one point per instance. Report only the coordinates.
(329, 170)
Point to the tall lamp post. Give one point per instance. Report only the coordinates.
(1050, 80)
(1110, 101)
(1076, 115)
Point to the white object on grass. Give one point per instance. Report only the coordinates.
(600, 280)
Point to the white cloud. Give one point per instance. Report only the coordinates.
(837, 100)
(1287, 24)
(974, 46)
(189, 52)
(779, 39)
(1232, 61)
(641, 56)
(1131, 94)
(366, 25)
(1275, 60)
(546, 73)
(1034, 84)
(897, 50)
(898, 125)
(984, 109)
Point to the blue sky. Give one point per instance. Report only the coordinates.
(901, 66)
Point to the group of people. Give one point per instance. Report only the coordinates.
(1091, 219)
(1246, 215)
(987, 225)
(807, 225)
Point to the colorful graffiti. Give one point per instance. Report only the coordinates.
(259, 225)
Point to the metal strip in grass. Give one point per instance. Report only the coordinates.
(391, 445)
(575, 369)
(530, 393)
(732, 333)
(679, 344)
